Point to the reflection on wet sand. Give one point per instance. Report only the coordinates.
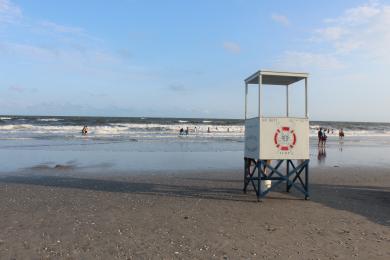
(341, 144)
(321, 155)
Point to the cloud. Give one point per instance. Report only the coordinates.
(59, 46)
(363, 30)
(9, 12)
(361, 33)
(281, 19)
(98, 95)
(26, 50)
(361, 13)
(331, 33)
(348, 55)
(60, 28)
(67, 56)
(16, 88)
(306, 61)
(232, 47)
(20, 89)
(125, 54)
(177, 88)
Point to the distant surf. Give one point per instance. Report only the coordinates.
(139, 128)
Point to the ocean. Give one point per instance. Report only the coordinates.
(144, 143)
(145, 128)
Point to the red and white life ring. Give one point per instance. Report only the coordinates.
(285, 138)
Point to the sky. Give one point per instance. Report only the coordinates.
(190, 58)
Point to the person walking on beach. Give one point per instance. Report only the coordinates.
(187, 130)
(341, 134)
(324, 138)
(320, 134)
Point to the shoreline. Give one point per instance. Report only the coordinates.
(63, 213)
(181, 155)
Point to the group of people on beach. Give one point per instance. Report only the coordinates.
(183, 132)
(187, 130)
(84, 131)
(322, 137)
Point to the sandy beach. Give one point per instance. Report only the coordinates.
(62, 214)
(147, 193)
(194, 130)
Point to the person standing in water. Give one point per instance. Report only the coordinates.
(84, 131)
(341, 133)
(320, 135)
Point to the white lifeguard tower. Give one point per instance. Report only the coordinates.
(270, 141)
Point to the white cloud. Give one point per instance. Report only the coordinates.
(26, 50)
(60, 28)
(360, 34)
(306, 61)
(361, 13)
(331, 33)
(281, 19)
(59, 45)
(347, 55)
(232, 47)
(92, 60)
(363, 30)
(9, 12)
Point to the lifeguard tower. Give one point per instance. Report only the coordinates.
(271, 142)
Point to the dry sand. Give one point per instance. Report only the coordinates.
(65, 214)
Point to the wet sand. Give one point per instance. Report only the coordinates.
(61, 213)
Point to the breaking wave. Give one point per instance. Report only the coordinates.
(19, 127)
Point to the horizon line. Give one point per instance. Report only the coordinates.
(170, 117)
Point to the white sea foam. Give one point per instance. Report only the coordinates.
(5, 118)
(153, 130)
(50, 119)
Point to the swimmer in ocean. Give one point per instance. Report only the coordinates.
(84, 131)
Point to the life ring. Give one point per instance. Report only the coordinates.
(285, 138)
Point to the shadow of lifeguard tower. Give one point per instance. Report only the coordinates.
(280, 140)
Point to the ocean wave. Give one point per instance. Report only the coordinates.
(16, 138)
(50, 119)
(162, 129)
(150, 129)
